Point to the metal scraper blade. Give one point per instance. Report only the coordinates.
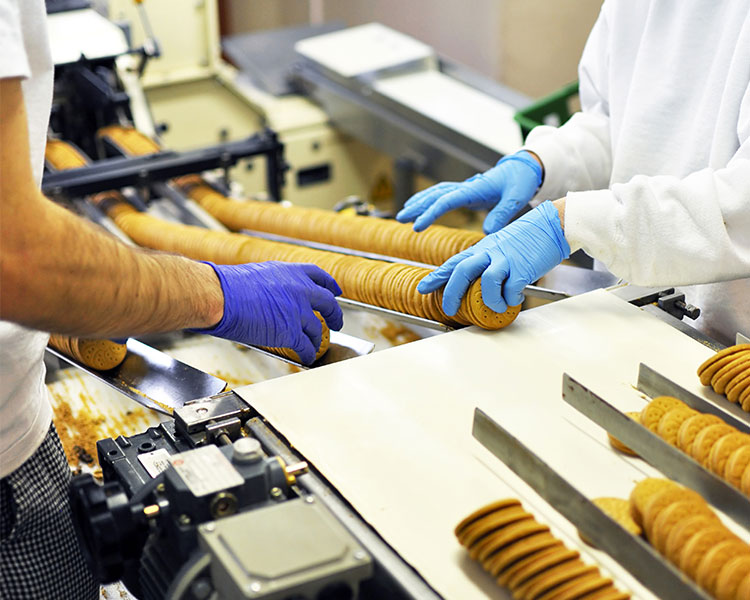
(152, 378)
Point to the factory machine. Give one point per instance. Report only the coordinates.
(346, 480)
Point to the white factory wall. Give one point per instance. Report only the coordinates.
(531, 45)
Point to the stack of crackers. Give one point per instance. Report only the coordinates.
(433, 246)
(523, 555)
(728, 373)
(101, 355)
(713, 443)
(681, 525)
(388, 285)
(325, 342)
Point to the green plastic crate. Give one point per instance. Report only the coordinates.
(555, 107)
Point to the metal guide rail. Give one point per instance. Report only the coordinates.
(671, 461)
(632, 552)
(152, 378)
(114, 173)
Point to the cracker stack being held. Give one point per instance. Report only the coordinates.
(101, 355)
(728, 373)
(681, 525)
(524, 556)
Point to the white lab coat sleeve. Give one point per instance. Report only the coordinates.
(668, 230)
(578, 155)
(13, 60)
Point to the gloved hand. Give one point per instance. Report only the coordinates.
(272, 304)
(508, 261)
(503, 190)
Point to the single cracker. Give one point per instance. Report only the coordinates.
(726, 374)
(682, 532)
(691, 427)
(507, 535)
(541, 564)
(577, 588)
(556, 576)
(670, 516)
(669, 425)
(643, 491)
(719, 355)
(745, 482)
(723, 449)
(716, 557)
(738, 385)
(617, 444)
(736, 464)
(699, 544)
(708, 373)
(661, 500)
(485, 510)
(559, 553)
(654, 410)
(507, 557)
(730, 576)
(618, 509)
(492, 522)
(610, 593)
(705, 440)
(743, 590)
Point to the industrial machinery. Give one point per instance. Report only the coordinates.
(342, 482)
(195, 509)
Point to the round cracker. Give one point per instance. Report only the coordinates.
(673, 514)
(507, 535)
(699, 544)
(719, 355)
(506, 557)
(643, 491)
(705, 440)
(682, 532)
(474, 533)
(617, 444)
(691, 427)
(669, 425)
(736, 464)
(730, 576)
(723, 449)
(661, 500)
(654, 410)
(726, 374)
(485, 510)
(509, 571)
(709, 566)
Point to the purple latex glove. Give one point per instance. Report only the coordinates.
(272, 304)
(503, 190)
(507, 261)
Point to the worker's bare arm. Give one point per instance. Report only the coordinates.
(61, 273)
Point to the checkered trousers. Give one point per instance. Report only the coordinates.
(39, 554)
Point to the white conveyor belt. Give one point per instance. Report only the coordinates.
(392, 431)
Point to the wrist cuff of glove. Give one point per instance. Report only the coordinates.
(549, 211)
(217, 329)
(524, 157)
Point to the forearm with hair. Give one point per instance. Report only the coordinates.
(62, 274)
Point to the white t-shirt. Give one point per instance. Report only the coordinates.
(25, 411)
(663, 139)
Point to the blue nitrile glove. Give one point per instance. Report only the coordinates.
(508, 261)
(503, 190)
(272, 304)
